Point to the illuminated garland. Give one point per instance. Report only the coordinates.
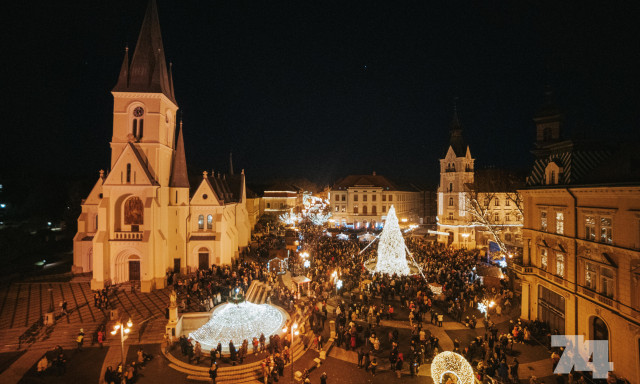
(391, 249)
(451, 363)
(239, 322)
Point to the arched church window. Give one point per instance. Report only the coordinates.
(133, 211)
(135, 128)
(450, 187)
(451, 201)
(140, 129)
(209, 222)
(128, 172)
(201, 222)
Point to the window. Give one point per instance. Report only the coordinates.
(450, 215)
(128, 172)
(543, 259)
(344, 208)
(201, 222)
(496, 217)
(543, 221)
(496, 202)
(560, 223)
(606, 282)
(559, 264)
(590, 276)
(337, 197)
(355, 209)
(364, 210)
(268, 205)
(344, 197)
(450, 187)
(451, 201)
(374, 210)
(355, 197)
(210, 222)
(590, 228)
(390, 197)
(507, 202)
(384, 208)
(337, 208)
(384, 197)
(507, 218)
(606, 230)
(373, 198)
(486, 201)
(364, 197)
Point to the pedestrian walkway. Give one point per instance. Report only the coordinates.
(14, 373)
(114, 357)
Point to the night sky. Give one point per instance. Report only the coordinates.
(320, 89)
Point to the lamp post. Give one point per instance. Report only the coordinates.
(124, 332)
(294, 332)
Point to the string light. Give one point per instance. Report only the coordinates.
(391, 249)
(451, 363)
(238, 322)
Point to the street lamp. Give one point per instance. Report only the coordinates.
(124, 331)
(294, 332)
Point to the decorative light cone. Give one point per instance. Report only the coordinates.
(451, 363)
(392, 255)
(238, 322)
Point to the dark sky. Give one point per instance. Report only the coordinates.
(320, 89)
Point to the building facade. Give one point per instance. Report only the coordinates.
(362, 201)
(142, 219)
(580, 270)
(474, 209)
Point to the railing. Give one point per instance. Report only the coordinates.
(605, 300)
(128, 236)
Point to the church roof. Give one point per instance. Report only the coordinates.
(147, 71)
(365, 181)
(179, 176)
(456, 141)
(228, 188)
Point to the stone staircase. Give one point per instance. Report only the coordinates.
(258, 292)
(244, 373)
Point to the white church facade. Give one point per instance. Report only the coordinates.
(142, 219)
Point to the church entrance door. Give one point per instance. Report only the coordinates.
(134, 270)
(203, 260)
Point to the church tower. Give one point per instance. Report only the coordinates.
(456, 171)
(131, 206)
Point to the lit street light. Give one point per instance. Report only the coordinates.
(294, 332)
(124, 331)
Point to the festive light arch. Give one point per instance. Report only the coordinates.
(453, 363)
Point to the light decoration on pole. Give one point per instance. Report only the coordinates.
(391, 248)
(124, 330)
(451, 363)
(502, 263)
(485, 305)
(238, 322)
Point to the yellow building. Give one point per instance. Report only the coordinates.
(141, 219)
(362, 201)
(475, 209)
(580, 270)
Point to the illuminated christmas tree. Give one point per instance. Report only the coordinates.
(391, 249)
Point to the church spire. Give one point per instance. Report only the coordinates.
(123, 78)
(456, 141)
(179, 177)
(148, 70)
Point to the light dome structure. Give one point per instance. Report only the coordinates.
(453, 364)
(238, 322)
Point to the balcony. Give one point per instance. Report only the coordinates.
(128, 236)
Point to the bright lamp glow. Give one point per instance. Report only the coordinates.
(117, 326)
(129, 323)
(127, 330)
(453, 364)
(113, 332)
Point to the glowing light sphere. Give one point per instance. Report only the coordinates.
(454, 364)
(238, 322)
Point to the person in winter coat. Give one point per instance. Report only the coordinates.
(213, 372)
